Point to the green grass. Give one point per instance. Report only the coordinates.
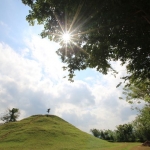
(52, 133)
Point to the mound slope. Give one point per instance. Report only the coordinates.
(51, 133)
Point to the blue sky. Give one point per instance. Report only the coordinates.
(31, 78)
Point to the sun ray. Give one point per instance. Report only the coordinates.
(76, 15)
(58, 21)
(71, 47)
(68, 36)
(66, 50)
(74, 19)
(81, 49)
(85, 32)
(65, 21)
(81, 24)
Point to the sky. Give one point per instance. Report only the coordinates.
(31, 78)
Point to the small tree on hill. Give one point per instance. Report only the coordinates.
(48, 110)
(11, 115)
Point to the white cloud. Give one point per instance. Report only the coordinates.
(44, 52)
(32, 80)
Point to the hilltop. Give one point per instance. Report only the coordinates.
(42, 132)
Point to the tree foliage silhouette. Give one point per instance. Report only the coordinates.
(102, 30)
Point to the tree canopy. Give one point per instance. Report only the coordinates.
(101, 31)
(138, 92)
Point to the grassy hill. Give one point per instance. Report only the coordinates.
(40, 132)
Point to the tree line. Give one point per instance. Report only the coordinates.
(136, 131)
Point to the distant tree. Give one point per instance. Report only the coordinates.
(11, 115)
(125, 133)
(95, 132)
(102, 31)
(107, 135)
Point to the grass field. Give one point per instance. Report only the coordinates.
(53, 133)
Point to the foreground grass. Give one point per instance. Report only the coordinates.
(53, 133)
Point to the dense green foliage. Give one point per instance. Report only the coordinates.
(102, 31)
(142, 124)
(140, 92)
(125, 133)
(11, 115)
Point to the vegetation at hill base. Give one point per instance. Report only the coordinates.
(137, 131)
(123, 133)
(52, 132)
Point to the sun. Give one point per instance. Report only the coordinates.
(66, 37)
